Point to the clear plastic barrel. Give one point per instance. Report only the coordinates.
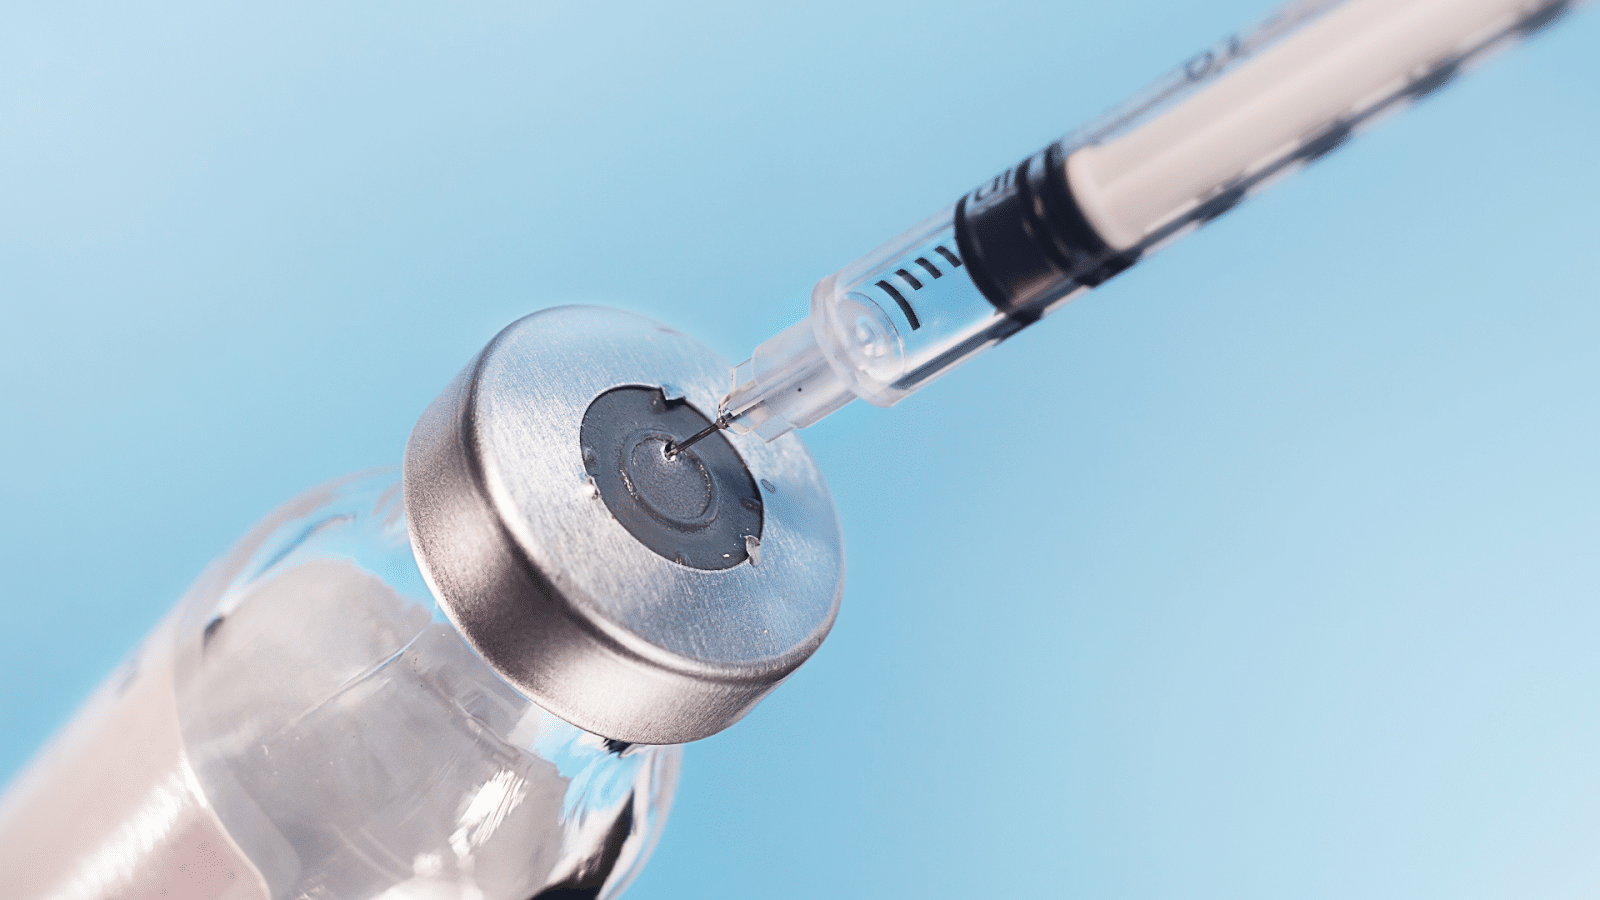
(1227, 123)
(879, 329)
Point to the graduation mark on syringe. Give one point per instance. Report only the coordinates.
(915, 283)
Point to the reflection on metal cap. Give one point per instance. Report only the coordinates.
(558, 595)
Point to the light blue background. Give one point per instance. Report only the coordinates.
(1269, 570)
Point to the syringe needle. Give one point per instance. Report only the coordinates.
(676, 447)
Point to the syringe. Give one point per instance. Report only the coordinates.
(1224, 125)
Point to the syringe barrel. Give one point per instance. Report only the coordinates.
(1230, 121)
(879, 329)
(896, 318)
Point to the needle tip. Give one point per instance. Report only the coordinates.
(673, 448)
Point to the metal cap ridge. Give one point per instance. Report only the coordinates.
(567, 602)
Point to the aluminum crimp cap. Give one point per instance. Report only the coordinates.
(643, 596)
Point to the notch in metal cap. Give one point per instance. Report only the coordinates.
(643, 598)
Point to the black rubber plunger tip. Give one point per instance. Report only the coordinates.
(694, 506)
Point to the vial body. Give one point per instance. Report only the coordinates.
(308, 724)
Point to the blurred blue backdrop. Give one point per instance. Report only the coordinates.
(1267, 570)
